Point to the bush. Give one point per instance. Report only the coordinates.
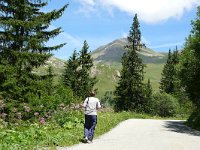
(194, 120)
(186, 107)
(37, 107)
(164, 105)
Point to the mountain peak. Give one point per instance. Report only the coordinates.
(113, 51)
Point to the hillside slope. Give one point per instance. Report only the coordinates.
(112, 52)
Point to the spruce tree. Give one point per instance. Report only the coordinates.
(129, 91)
(77, 72)
(23, 36)
(169, 80)
(166, 82)
(71, 73)
(86, 81)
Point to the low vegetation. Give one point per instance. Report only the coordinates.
(64, 128)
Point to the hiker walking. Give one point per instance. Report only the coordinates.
(91, 104)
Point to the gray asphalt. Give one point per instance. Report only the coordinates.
(145, 134)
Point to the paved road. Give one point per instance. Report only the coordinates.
(145, 134)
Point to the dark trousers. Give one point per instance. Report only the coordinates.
(89, 126)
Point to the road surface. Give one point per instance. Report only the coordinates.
(145, 134)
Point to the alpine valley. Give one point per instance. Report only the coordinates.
(107, 65)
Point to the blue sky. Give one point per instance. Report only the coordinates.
(163, 23)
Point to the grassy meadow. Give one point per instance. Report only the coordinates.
(63, 130)
(107, 76)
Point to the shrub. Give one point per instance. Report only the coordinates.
(186, 107)
(37, 107)
(194, 120)
(164, 105)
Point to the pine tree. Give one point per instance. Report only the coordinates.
(23, 34)
(189, 66)
(169, 80)
(129, 92)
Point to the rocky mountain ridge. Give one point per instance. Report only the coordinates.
(113, 51)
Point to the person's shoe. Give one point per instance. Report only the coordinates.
(85, 140)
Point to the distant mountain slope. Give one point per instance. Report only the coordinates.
(56, 63)
(112, 52)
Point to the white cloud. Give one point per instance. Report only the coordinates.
(87, 6)
(150, 11)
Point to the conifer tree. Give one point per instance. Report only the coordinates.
(189, 66)
(166, 83)
(169, 80)
(71, 73)
(86, 81)
(77, 72)
(129, 91)
(23, 37)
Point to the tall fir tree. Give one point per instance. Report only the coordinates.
(169, 80)
(86, 62)
(166, 82)
(77, 72)
(189, 66)
(71, 73)
(129, 91)
(23, 36)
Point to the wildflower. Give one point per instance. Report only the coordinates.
(42, 120)
(19, 115)
(27, 109)
(36, 114)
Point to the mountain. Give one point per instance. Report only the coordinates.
(108, 70)
(112, 52)
(56, 63)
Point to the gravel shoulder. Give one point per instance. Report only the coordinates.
(145, 134)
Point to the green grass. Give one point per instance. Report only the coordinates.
(34, 136)
(153, 72)
(107, 79)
